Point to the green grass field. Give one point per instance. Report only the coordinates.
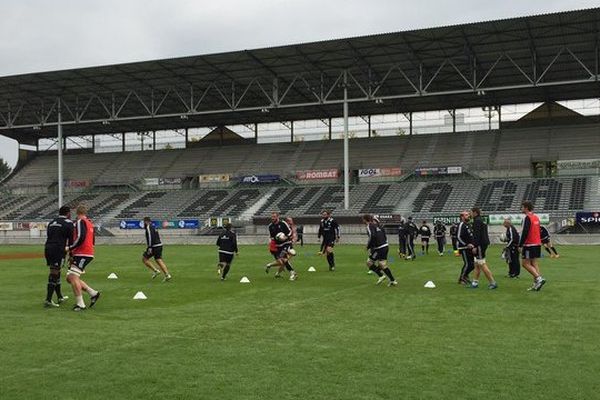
(325, 336)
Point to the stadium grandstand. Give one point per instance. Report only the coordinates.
(421, 123)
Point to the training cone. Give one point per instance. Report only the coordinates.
(430, 285)
(245, 280)
(312, 269)
(140, 296)
(112, 276)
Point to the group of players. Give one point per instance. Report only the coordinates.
(74, 241)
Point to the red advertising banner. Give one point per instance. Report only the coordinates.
(318, 174)
(77, 183)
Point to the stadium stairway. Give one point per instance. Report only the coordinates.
(592, 202)
(405, 206)
(112, 214)
(251, 211)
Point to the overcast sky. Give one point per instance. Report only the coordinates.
(42, 35)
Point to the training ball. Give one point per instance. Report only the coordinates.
(292, 252)
(281, 236)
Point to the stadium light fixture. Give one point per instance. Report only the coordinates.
(183, 116)
(378, 101)
(37, 128)
(264, 110)
(105, 122)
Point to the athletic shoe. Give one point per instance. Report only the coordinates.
(408, 257)
(293, 276)
(538, 284)
(492, 286)
(441, 254)
(267, 268)
(278, 274)
(77, 308)
(557, 256)
(381, 279)
(473, 286)
(50, 304)
(370, 272)
(331, 269)
(222, 279)
(532, 288)
(94, 299)
(464, 281)
(63, 299)
(167, 278)
(393, 283)
(155, 274)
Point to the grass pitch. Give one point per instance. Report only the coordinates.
(325, 336)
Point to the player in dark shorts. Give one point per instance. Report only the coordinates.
(329, 230)
(530, 245)
(453, 236)
(378, 248)
(227, 242)
(402, 238)
(439, 231)
(425, 232)
(154, 249)
(59, 235)
(411, 233)
(465, 246)
(481, 241)
(280, 234)
(547, 242)
(300, 234)
(82, 253)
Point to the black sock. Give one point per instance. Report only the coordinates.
(548, 250)
(388, 272)
(376, 270)
(50, 288)
(427, 248)
(226, 270)
(423, 248)
(288, 266)
(554, 250)
(331, 260)
(57, 289)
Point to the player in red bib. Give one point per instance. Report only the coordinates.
(530, 245)
(82, 253)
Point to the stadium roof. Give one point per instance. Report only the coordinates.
(528, 59)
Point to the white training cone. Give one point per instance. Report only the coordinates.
(140, 296)
(312, 269)
(245, 280)
(112, 276)
(430, 285)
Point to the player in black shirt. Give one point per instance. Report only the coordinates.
(454, 236)
(439, 230)
(511, 251)
(402, 232)
(154, 248)
(411, 233)
(300, 234)
(280, 233)
(227, 242)
(465, 245)
(59, 235)
(425, 232)
(481, 241)
(329, 230)
(378, 247)
(548, 245)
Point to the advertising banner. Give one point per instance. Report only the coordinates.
(170, 181)
(388, 218)
(378, 172)
(578, 164)
(588, 218)
(213, 178)
(318, 174)
(6, 226)
(77, 183)
(151, 181)
(252, 179)
(426, 171)
(454, 219)
(517, 219)
(173, 224)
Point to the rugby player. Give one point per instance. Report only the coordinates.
(465, 246)
(481, 241)
(154, 249)
(425, 232)
(530, 245)
(411, 233)
(227, 242)
(512, 249)
(439, 230)
(280, 233)
(329, 230)
(378, 247)
(82, 253)
(548, 245)
(59, 235)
